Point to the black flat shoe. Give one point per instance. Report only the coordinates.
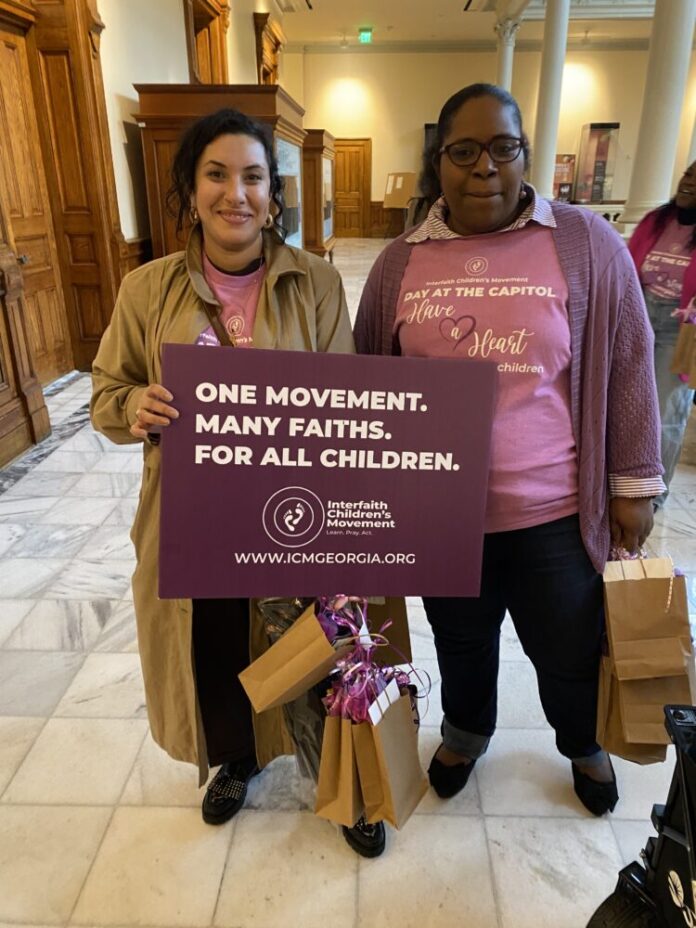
(366, 840)
(227, 791)
(448, 781)
(597, 797)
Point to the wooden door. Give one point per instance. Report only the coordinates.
(353, 186)
(30, 232)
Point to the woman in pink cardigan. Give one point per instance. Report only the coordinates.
(549, 292)
(664, 251)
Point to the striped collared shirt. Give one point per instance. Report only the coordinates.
(435, 224)
(435, 228)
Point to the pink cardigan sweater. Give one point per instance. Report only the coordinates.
(643, 239)
(613, 398)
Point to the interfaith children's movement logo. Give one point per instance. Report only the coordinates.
(476, 266)
(293, 517)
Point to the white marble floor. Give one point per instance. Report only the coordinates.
(99, 827)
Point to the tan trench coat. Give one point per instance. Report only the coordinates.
(301, 307)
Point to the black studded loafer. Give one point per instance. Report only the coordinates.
(597, 797)
(366, 840)
(448, 781)
(227, 791)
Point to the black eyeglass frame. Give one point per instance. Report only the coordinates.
(483, 146)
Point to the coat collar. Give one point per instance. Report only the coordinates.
(280, 260)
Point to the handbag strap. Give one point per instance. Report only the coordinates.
(223, 336)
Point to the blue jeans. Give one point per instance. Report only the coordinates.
(674, 396)
(545, 578)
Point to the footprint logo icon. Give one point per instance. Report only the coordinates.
(293, 517)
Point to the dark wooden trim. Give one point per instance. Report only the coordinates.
(270, 42)
(139, 252)
(17, 13)
(211, 17)
(385, 223)
(74, 137)
(191, 52)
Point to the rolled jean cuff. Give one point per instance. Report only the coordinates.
(464, 742)
(591, 760)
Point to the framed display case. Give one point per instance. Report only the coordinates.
(318, 168)
(596, 161)
(167, 109)
(289, 156)
(563, 177)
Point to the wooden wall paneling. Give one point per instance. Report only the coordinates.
(207, 22)
(17, 14)
(28, 212)
(353, 186)
(218, 44)
(68, 89)
(318, 147)
(385, 223)
(23, 414)
(269, 44)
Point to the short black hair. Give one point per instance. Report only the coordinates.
(193, 143)
(429, 180)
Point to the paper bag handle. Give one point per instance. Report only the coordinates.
(641, 561)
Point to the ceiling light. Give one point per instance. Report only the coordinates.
(365, 35)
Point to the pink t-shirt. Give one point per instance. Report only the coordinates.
(238, 296)
(662, 273)
(503, 297)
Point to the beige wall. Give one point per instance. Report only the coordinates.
(389, 97)
(143, 42)
(241, 41)
(241, 38)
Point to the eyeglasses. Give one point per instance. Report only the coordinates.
(466, 152)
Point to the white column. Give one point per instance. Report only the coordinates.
(506, 30)
(549, 104)
(665, 83)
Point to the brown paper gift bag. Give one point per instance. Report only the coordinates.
(648, 682)
(301, 658)
(338, 791)
(392, 781)
(380, 610)
(684, 357)
(609, 729)
(650, 651)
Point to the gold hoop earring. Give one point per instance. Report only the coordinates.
(268, 224)
(193, 214)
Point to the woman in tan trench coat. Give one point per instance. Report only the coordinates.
(236, 276)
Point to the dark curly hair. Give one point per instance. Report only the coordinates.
(429, 180)
(192, 145)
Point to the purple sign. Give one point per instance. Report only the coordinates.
(301, 474)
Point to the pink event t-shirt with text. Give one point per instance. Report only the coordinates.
(663, 270)
(503, 297)
(238, 296)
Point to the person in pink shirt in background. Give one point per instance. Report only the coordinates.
(549, 293)
(663, 247)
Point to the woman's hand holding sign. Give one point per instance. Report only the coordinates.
(153, 412)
